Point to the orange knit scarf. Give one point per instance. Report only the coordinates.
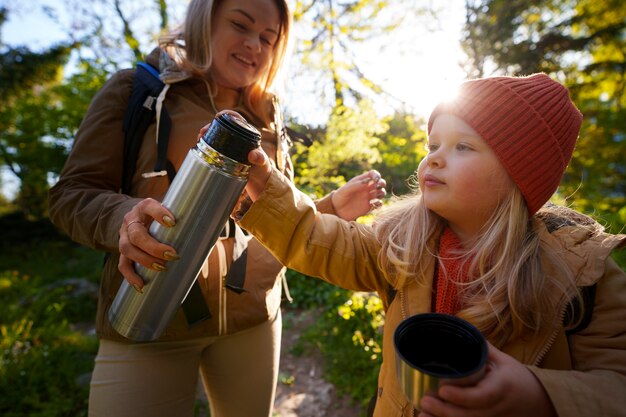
(451, 271)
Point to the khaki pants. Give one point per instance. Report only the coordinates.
(239, 373)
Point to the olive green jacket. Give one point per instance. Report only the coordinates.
(584, 374)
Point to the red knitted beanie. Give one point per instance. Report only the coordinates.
(530, 123)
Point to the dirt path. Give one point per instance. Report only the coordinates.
(301, 390)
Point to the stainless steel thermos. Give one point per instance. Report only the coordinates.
(201, 197)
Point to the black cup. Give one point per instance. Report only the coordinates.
(433, 349)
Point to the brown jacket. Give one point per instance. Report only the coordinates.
(584, 374)
(86, 203)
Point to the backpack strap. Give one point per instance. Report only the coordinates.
(148, 92)
(164, 126)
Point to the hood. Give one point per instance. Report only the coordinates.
(582, 241)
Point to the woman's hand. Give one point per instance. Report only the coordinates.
(507, 389)
(136, 244)
(359, 196)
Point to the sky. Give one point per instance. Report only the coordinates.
(418, 66)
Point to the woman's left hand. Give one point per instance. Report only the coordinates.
(507, 389)
(359, 196)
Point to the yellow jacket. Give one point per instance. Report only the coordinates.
(584, 374)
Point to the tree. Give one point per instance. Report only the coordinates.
(29, 118)
(332, 29)
(42, 105)
(122, 32)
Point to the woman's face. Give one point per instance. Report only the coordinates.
(461, 178)
(244, 34)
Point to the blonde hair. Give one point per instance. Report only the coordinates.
(195, 54)
(508, 291)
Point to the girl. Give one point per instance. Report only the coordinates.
(478, 240)
(225, 56)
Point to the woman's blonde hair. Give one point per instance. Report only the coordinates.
(508, 291)
(195, 55)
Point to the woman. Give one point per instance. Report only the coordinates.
(226, 56)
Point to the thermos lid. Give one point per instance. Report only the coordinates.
(232, 136)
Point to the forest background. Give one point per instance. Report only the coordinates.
(48, 284)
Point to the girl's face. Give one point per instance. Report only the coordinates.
(461, 178)
(243, 37)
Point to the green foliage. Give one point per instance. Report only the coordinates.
(37, 131)
(24, 75)
(348, 334)
(40, 370)
(348, 148)
(401, 147)
(353, 345)
(310, 292)
(21, 69)
(355, 141)
(47, 295)
(38, 112)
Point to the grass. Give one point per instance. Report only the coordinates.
(48, 287)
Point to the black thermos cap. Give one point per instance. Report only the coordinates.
(233, 137)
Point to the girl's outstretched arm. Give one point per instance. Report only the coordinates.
(357, 197)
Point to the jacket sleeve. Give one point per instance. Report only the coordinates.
(597, 385)
(286, 221)
(85, 203)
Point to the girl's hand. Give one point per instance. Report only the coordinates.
(507, 389)
(261, 167)
(359, 196)
(259, 173)
(136, 244)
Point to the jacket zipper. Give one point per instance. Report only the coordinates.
(543, 352)
(403, 311)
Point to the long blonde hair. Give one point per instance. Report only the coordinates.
(195, 55)
(508, 291)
